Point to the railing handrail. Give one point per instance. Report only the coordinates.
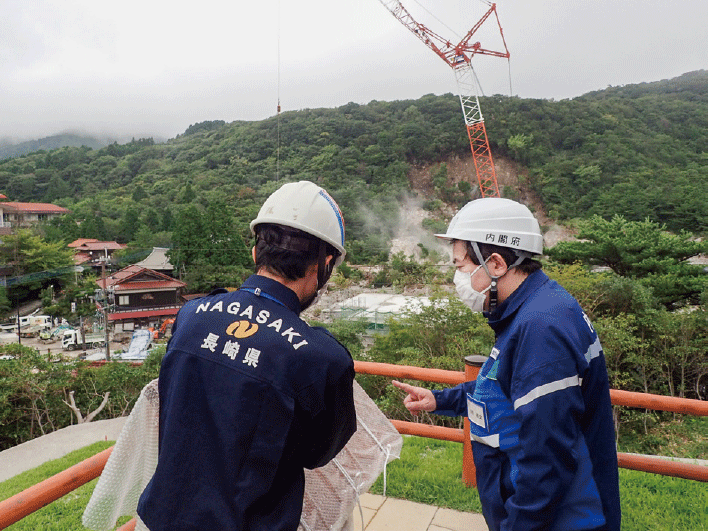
(657, 465)
(410, 372)
(51, 489)
(672, 404)
(34, 498)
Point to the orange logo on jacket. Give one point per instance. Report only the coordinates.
(242, 329)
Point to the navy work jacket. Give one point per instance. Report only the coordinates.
(249, 395)
(540, 417)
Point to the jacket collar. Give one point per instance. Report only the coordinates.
(274, 290)
(502, 315)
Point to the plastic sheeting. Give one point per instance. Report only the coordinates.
(331, 492)
(129, 467)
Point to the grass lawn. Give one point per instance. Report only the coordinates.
(65, 513)
(430, 472)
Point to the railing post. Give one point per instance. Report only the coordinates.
(469, 473)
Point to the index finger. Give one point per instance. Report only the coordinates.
(403, 386)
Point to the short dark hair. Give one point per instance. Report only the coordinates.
(287, 252)
(528, 266)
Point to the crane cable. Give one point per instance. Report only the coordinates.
(277, 151)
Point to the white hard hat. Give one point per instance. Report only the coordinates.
(496, 221)
(307, 207)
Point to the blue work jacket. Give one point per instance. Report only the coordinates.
(540, 417)
(249, 395)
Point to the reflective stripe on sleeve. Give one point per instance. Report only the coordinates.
(547, 389)
(489, 440)
(594, 351)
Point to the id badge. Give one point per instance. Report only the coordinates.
(477, 412)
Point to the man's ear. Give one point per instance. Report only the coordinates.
(496, 265)
(253, 253)
(329, 263)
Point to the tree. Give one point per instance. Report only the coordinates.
(645, 251)
(82, 294)
(30, 254)
(61, 228)
(209, 238)
(4, 301)
(187, 238)
(35, 262)
(130, 223)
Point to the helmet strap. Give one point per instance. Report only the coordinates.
(323, 270)
(493, 291)
(520, 257)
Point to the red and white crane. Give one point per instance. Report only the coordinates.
(458, 57)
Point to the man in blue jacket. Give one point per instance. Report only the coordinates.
(249, 393)
(540, 413)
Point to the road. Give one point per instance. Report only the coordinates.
(54, 349)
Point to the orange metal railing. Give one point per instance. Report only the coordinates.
(34, 498)
(619, 398)
(472, 366)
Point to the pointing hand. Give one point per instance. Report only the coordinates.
(417, 399)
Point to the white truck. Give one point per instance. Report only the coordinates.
(30, 325)
(72, 340)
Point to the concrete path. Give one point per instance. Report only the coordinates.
(379, 513)
(57, 444)
(391, 514)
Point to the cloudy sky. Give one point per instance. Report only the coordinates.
(151, 67)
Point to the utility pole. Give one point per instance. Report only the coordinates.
(105, 304)
(17, 274)
(19, 326)
(83, 334)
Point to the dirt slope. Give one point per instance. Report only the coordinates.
(508, 172)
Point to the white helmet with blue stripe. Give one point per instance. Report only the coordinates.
(305, 206)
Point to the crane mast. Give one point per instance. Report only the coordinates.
(459, 58)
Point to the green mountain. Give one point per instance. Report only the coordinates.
(9, 150)
(637, 150)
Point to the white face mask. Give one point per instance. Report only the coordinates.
(473, 299)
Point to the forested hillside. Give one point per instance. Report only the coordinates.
(8, 149)
(622, 165)
(639, 150)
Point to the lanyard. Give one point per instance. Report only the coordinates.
(259, 293)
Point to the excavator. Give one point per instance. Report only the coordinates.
(164, 328)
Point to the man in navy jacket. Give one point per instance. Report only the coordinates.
(250, 393)
(540, 413)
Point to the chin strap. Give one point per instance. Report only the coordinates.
(493, 292)
(493, 295)
(324, 271)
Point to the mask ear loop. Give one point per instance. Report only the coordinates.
(493, 293)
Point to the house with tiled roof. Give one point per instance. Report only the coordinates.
(81, 241)
(139, 297)
(94, 253)
(22, 215)
(157, 261)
